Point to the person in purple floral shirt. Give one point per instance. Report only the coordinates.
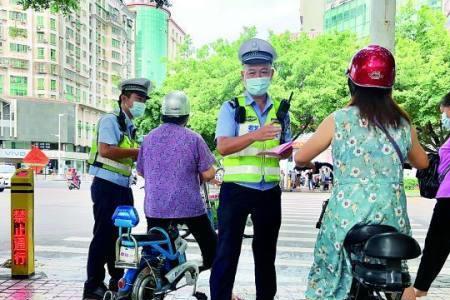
(174, 160)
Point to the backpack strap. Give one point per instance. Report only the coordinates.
(442, 176)
(393, 142)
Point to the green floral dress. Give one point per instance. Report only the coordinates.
(368, 188)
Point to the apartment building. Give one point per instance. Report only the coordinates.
(75, 62)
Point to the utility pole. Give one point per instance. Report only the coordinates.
(382, 23)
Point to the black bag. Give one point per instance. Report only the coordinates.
(429, 178)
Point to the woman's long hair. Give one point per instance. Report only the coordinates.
(377, 104)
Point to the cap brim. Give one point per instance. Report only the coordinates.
(143, 95)
(256, 61)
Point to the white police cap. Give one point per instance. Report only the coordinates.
(257, 51)
(141, 86)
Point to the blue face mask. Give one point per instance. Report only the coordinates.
(445, 121)
(138, 109)
(258, 86)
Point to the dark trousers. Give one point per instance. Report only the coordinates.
(106, 196)
(437, 246)
(201, 229)
(236, 203)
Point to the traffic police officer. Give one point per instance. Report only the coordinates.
(111, 159)
(246, 126)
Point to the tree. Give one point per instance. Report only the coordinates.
(314, 69)
(423, 69)
(212, 75)
(66, 6)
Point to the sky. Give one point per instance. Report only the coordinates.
(208, 20)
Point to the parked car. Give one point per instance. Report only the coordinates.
(6, 172)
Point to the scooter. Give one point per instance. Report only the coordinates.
(376, 254)
(155, 262)
(74, 182)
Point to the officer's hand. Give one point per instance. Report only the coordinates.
(268, 132)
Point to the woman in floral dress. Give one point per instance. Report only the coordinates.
(368, 185)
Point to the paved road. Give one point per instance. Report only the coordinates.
(64, 222)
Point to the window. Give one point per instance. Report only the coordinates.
(41, 68)
(17, 32)
(116, 55)
(17, 16)
(53, 85)
(41, 53)
(115, 43)
(88, 129)
(18, 63)
(53, 39)
(80, 127)
(53, 54)
(18, 48)
(40, 37)
(40, 84)
(18, 86)
(52, 24)
(69, 92)
(116, 30)
(54, 69)
(40, 21)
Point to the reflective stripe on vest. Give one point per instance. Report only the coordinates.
(246, 165)
(122, 166)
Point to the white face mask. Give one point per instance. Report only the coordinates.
(258, 86)
(445, 121)
(138, 109)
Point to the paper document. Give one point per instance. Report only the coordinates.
(278, 151)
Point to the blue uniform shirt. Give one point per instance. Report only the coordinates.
(109, 133)
(228, 127)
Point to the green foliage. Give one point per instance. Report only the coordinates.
(411, 183)
(314, 69)
(423, 69)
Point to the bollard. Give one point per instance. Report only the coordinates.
(22, 224)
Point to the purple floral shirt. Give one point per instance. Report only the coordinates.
(171, 159)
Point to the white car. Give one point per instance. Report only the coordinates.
(6, 172)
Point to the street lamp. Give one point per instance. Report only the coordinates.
(59, 143)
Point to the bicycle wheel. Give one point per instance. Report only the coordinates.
(145, 286)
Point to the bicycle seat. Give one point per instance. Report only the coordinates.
(392, 245)
(125, 216)
(360, 233)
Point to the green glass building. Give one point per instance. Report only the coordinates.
(151, 41)
(355, 15)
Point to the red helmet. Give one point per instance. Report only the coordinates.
(373, 66)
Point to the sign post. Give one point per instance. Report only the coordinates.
(22, 224)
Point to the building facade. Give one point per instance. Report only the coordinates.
(175, 39)
(58, 65)
(158, 38)
(311, 16)
(151, 40)
(446, 8)
(355, 15)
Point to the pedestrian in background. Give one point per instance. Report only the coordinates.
(437, 242)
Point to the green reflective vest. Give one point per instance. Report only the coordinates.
(121, 166)
(246, 165)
